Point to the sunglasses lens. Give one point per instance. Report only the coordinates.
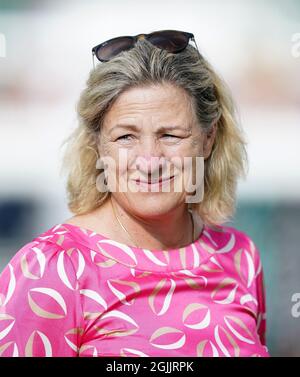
(113, 47)
(172, 41)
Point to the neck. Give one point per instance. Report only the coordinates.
(170, 231)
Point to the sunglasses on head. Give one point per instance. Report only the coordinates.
(173, 41)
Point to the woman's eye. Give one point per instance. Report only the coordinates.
(129, 137)
(125, 137)
(172, 136)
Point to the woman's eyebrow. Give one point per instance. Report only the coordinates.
(159, 129)
(125, 126)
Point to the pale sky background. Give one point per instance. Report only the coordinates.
(48, 59)
(254, 45)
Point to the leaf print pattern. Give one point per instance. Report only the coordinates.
(169, 331)
(73, 292)
(191, 308)
(159, 295)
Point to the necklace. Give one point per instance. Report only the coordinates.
(123, 227)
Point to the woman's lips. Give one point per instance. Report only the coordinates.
(159, 182)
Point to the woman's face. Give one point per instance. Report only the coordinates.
(150, 140)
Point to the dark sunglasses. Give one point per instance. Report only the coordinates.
(173, 41)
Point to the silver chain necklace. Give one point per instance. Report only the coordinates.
(123, 227)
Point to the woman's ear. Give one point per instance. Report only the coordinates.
(209, 139)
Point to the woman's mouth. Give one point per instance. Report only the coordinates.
(154, 183)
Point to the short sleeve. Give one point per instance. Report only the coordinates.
(260, 293)
(40, 308)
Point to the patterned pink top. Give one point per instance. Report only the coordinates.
(74, 292)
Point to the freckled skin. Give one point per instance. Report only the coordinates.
(149, 108)
(155, 220)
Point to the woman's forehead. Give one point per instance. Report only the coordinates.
(152, 95)
(157, 106)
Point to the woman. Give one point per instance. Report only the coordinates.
(143, 268)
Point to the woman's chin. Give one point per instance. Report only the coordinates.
(154, 206)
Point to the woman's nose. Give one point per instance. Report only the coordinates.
(149, 156)
(148, 164)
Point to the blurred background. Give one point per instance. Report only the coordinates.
(45, 59)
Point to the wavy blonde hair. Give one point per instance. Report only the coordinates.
(211, 100)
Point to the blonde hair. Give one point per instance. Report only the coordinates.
(143, 65)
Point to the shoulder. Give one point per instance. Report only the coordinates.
(223, 232)
(230, 239)
(48, 256)
(40, 294)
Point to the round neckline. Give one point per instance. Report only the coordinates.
(175, 260)
(105, 238)
(89, 230)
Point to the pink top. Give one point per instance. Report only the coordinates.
(74, 292)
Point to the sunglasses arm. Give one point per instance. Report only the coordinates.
(93, 54)
(193, 39)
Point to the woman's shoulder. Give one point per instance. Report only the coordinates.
(220, 231)
(53, 247)
(40, 293)
(231, 238)
(47, 240)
